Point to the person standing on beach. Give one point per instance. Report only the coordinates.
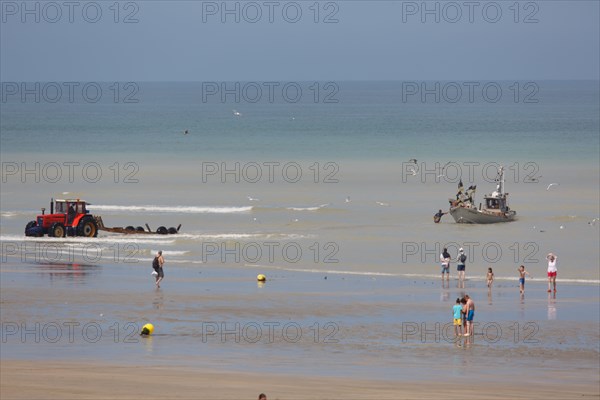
(462, 258)
(522, 274)
(445, 260)
(157, 264)
(463, 304)
(551, 257)
(470, 306)
(490, 277)
(457, 316)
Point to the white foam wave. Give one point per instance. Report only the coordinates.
(315, 208)
(403, 275)
(241, 236)
(165, 240)
(172, 209)
(171, 252)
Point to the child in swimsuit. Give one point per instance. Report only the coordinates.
(457, 316)
(490, 277)
(522, 274)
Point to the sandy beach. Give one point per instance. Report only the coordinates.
(60, 380)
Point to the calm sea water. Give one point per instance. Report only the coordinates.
(353, 120)
(312, 185)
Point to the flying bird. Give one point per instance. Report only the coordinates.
(413, 160)
(550, 185)
(237, 113)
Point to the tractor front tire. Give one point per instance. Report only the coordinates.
(87, 227)
(33, 224)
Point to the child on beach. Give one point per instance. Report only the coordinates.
(463, 313)
(457, 314)
(490, 278)
(522, 274)
(469, 310)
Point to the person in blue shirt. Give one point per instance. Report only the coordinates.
(457, 314)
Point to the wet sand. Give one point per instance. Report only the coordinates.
(60, 380)
(74, 333)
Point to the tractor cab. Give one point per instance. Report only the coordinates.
(70, 208)
(67, 217)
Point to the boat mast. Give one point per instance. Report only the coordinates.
(500, 179)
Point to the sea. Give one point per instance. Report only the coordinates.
(327, 188)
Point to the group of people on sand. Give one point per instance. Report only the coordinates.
(552, 271)
(445, 260)
(463, 313)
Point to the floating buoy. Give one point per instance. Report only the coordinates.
(261, 278)
(147, 329)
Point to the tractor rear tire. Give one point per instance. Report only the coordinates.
(130, 228)
(172, 230)
(140, 229)
(87, 227)
(162, 230)
(57, 230)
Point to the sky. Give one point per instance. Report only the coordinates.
(298, 40)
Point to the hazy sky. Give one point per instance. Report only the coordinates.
(280, 40)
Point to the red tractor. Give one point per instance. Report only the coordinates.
(66, 218)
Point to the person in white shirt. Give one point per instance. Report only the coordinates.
(551, 257)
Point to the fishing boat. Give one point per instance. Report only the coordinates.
(494, 208)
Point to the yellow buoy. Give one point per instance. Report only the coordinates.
(147, 329)
(261, 278)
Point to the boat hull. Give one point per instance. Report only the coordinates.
(465, 215)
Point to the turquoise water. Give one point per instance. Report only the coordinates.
(368, 120)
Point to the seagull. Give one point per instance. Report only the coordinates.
(593, 222)
(441, 176)
(348, 199)
(382, 204)
(550, 185)
(252, 198)
(413, 160)
(237, 113)
(445, 165)
(186, 132)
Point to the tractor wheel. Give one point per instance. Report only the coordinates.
(57, 230)
(87, 227)
(162, 230)
(33, 224)
(130, 228)
(172, 230)
(140, 229)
